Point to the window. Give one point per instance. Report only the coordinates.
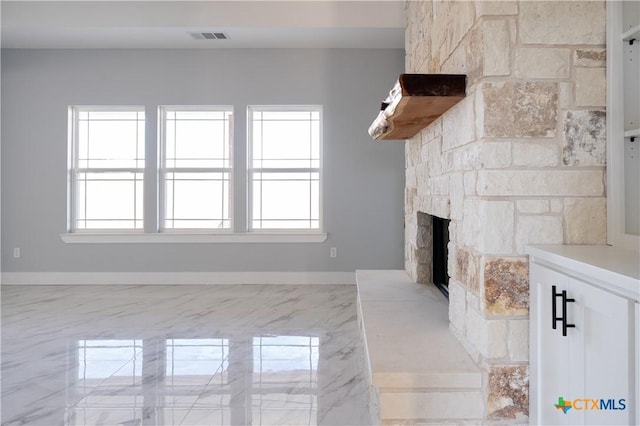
(106, 168)
(284, 168)
(196, 167)
(175, 183)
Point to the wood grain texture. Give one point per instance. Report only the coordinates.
(416, 101)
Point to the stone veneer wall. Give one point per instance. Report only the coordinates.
(519, 161)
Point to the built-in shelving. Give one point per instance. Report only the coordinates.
(416, 101)
(623, 124)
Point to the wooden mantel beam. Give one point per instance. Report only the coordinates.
(416, 101)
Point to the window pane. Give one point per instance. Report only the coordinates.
(202, 115)
(197, 200)
(286, 139)
(109, 200)
(290, 115)
(114, 142)
(199, 141)
(112, 115)
(199, 144)
(286, 200)
(285, 224)
(106, 140)
(315, 201)
(287, 164)
(282, 141)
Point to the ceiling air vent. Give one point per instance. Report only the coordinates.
(209, 36)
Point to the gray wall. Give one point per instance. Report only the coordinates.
(363, 179)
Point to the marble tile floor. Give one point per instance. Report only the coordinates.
(182, 355)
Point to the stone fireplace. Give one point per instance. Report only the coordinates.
(519, 161)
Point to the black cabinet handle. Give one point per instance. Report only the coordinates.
(554, 310)
(565, 325)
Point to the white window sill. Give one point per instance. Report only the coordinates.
(139, 238)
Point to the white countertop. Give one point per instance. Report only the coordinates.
(611, 267)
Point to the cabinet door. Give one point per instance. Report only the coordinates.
(593, 361)
(549, 360)
(600, 354)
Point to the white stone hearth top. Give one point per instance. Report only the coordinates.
(407, 337)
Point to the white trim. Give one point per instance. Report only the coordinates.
(73, 153)
(616, 234)
(251, 109)
(162, 170)
(138, 238)
(176, 278)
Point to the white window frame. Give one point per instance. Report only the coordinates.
(250, 169)
(73, 167)
(209, 235)
(162, 111)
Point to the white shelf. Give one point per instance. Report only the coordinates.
(633, 33)
(632, 133)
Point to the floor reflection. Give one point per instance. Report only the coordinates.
(187, 355)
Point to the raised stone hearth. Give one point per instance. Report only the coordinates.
(519, 161)
(419, 371)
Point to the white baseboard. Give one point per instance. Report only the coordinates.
(175, 278)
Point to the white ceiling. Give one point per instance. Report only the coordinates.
(167, 24)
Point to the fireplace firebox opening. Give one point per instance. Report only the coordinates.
(432, 254)
(440, 272)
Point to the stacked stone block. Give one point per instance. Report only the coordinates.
(519, 161)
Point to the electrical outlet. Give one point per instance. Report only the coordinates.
(333, 252)
(16, 252)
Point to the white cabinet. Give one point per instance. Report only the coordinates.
(583, 341)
